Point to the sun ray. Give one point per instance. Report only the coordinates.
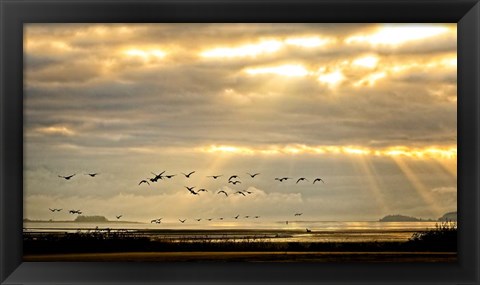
(448, 165)
(421, 189)
(369, 174)
(436, 167)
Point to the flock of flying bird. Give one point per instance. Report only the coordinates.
(233, 179)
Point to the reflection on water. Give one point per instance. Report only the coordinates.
(321, 231)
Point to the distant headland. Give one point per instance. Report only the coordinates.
(450, 216)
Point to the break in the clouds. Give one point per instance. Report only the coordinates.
(371, 108)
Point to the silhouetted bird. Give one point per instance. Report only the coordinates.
(144, 181)
(256, 217)
(301, 179)
(248, 192)
(182, 221)
(170, 176)
(159, 176)
(282, 179)
(188, 175)
(240, 192)
(253, 175)
(246, 217)
(215, 176)
(234, 182)
(118, 217)
(298, 214)
(237, 216)
(191, 190)
(233, 176)
(92, 174)
(156, 221)
(220, 218)
(210, 219)
(198, 220)
(67, 177)
(221, 191)
(58, 210)
(202, 190)
(52, 210)
(318, 179)
(309, 231)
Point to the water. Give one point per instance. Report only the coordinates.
(321, 231)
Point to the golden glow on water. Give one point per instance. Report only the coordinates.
(293, 232)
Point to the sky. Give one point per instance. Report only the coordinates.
(369, 108)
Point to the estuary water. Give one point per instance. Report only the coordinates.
(256, 230)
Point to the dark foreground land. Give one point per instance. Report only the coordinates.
(436, 245)
(291, 256)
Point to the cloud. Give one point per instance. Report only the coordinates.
(105, 97)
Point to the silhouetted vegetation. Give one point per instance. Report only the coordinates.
(441, 238)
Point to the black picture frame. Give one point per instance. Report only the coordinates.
(14, 14)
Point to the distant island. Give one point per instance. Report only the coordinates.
(82, 219)
(91, 219)
(450, 216)
(401, 218)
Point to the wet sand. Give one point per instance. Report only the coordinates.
(251, 257)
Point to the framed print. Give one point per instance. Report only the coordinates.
(255, 142)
